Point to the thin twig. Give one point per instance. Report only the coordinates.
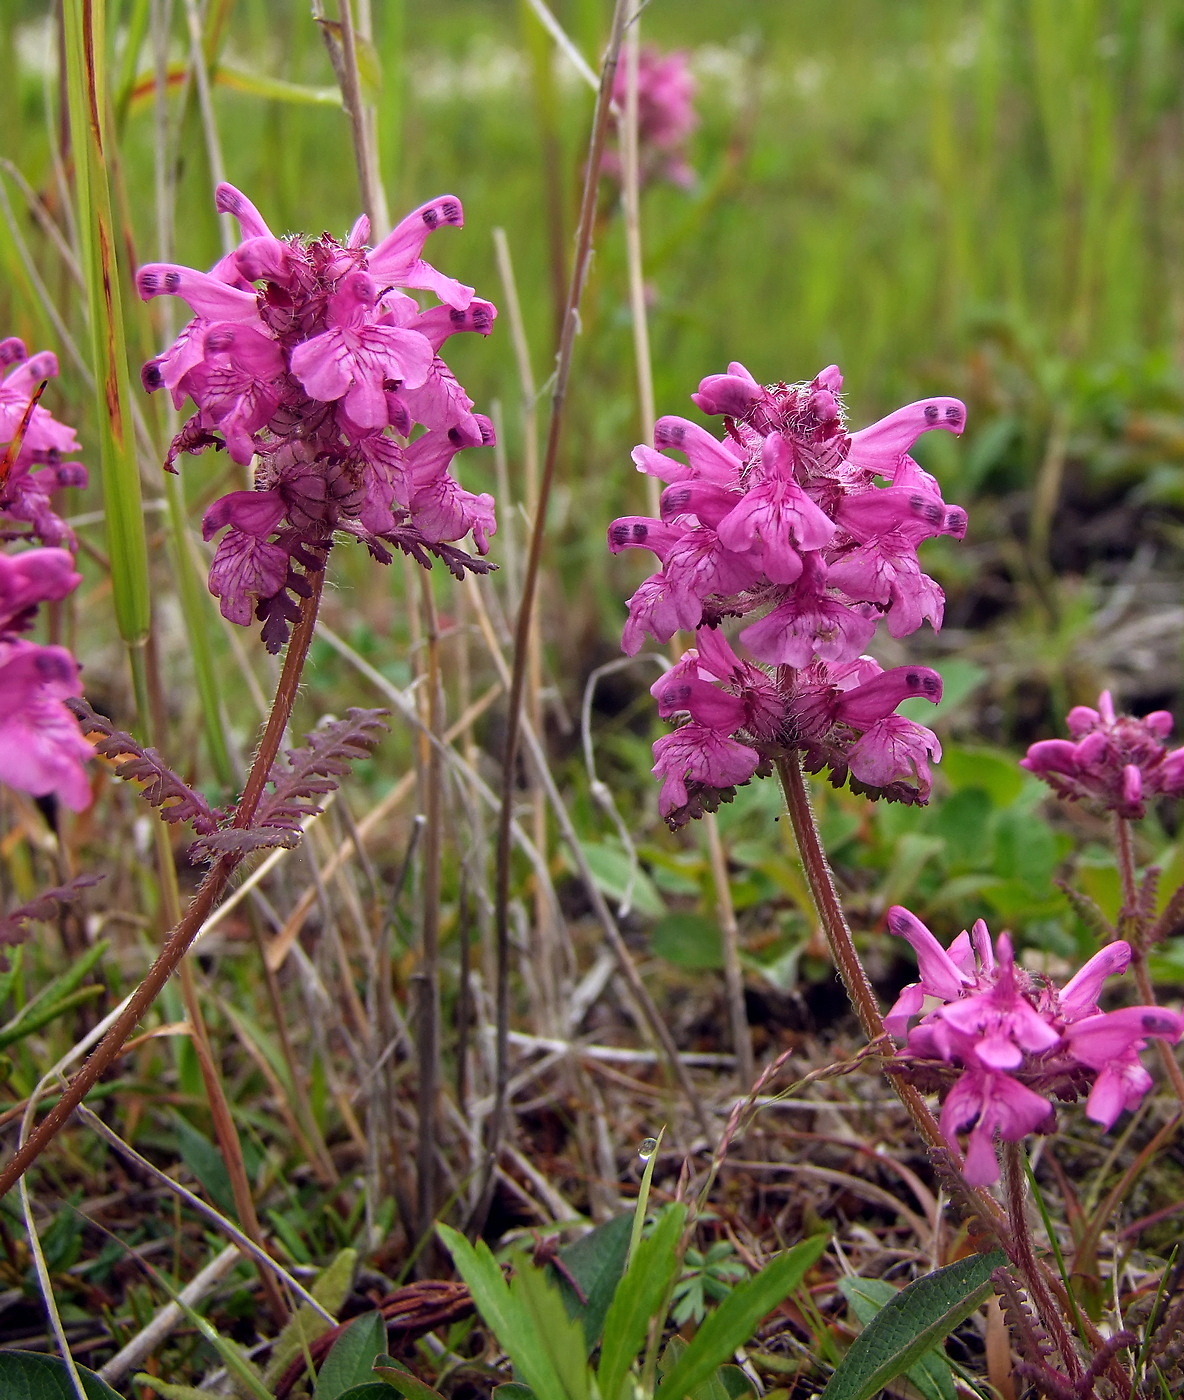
(530, 581)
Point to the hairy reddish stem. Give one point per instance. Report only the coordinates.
(178, 942)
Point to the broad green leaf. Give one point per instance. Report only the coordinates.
(688, 940)
(912, 1323)
(31, 1375)
(502, 1311)
(638, 1296)
(561, 1335)
(397, 1376)
(306, 1325)
(596, 1261)
(350, 1362)
(931, 1374)
(735, 1320)
(615, 877)
(512, 1390)
(372, 1390)
(993, 770)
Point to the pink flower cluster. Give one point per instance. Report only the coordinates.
(783, 521)
(41, 746)
(665, 116)
(39, 466)
(1016, 1038)
(304, 356)
(1115, 761)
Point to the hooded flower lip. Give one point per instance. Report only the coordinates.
(1014, 1038)
(309, 358)
(782, 524)
(1113, 761)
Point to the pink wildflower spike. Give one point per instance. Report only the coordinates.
(880, 447)
(1115, 761)
(306, 376)
(665, 117)
(780, 523)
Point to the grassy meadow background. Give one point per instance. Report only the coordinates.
(983, 199)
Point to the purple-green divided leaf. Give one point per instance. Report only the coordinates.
(42, 907)
(350, 1364)
(733, 1323)
(596, 1261)
(31, 1375)
(912, 1323)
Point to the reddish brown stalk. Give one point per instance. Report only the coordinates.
(1020, 1248)
(178, 942)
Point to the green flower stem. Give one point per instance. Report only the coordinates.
(85, 30)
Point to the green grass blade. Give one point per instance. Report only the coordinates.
(502, 1311)
(639, 1294)
(734, 1321)
(86, 89)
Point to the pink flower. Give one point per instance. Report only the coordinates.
(1016, 1037)
(41, 747)
(1115, 761)
(320, 374)
(39, 467)
(665, 116)
(781, 523)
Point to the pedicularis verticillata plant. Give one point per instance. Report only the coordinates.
(305, 358)
(782, 522)
(320, 375)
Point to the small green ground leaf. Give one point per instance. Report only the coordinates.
(616, 877)
(732, 1324)
(561, 1335)
(350, 1362)
(688, 940)
(31, 1375)
(396, 1375)
(912, 1323)
(932, 1374)
(596, 1261)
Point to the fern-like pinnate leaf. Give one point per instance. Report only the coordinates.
(298, 781)
(175, 799)
(47, 905)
